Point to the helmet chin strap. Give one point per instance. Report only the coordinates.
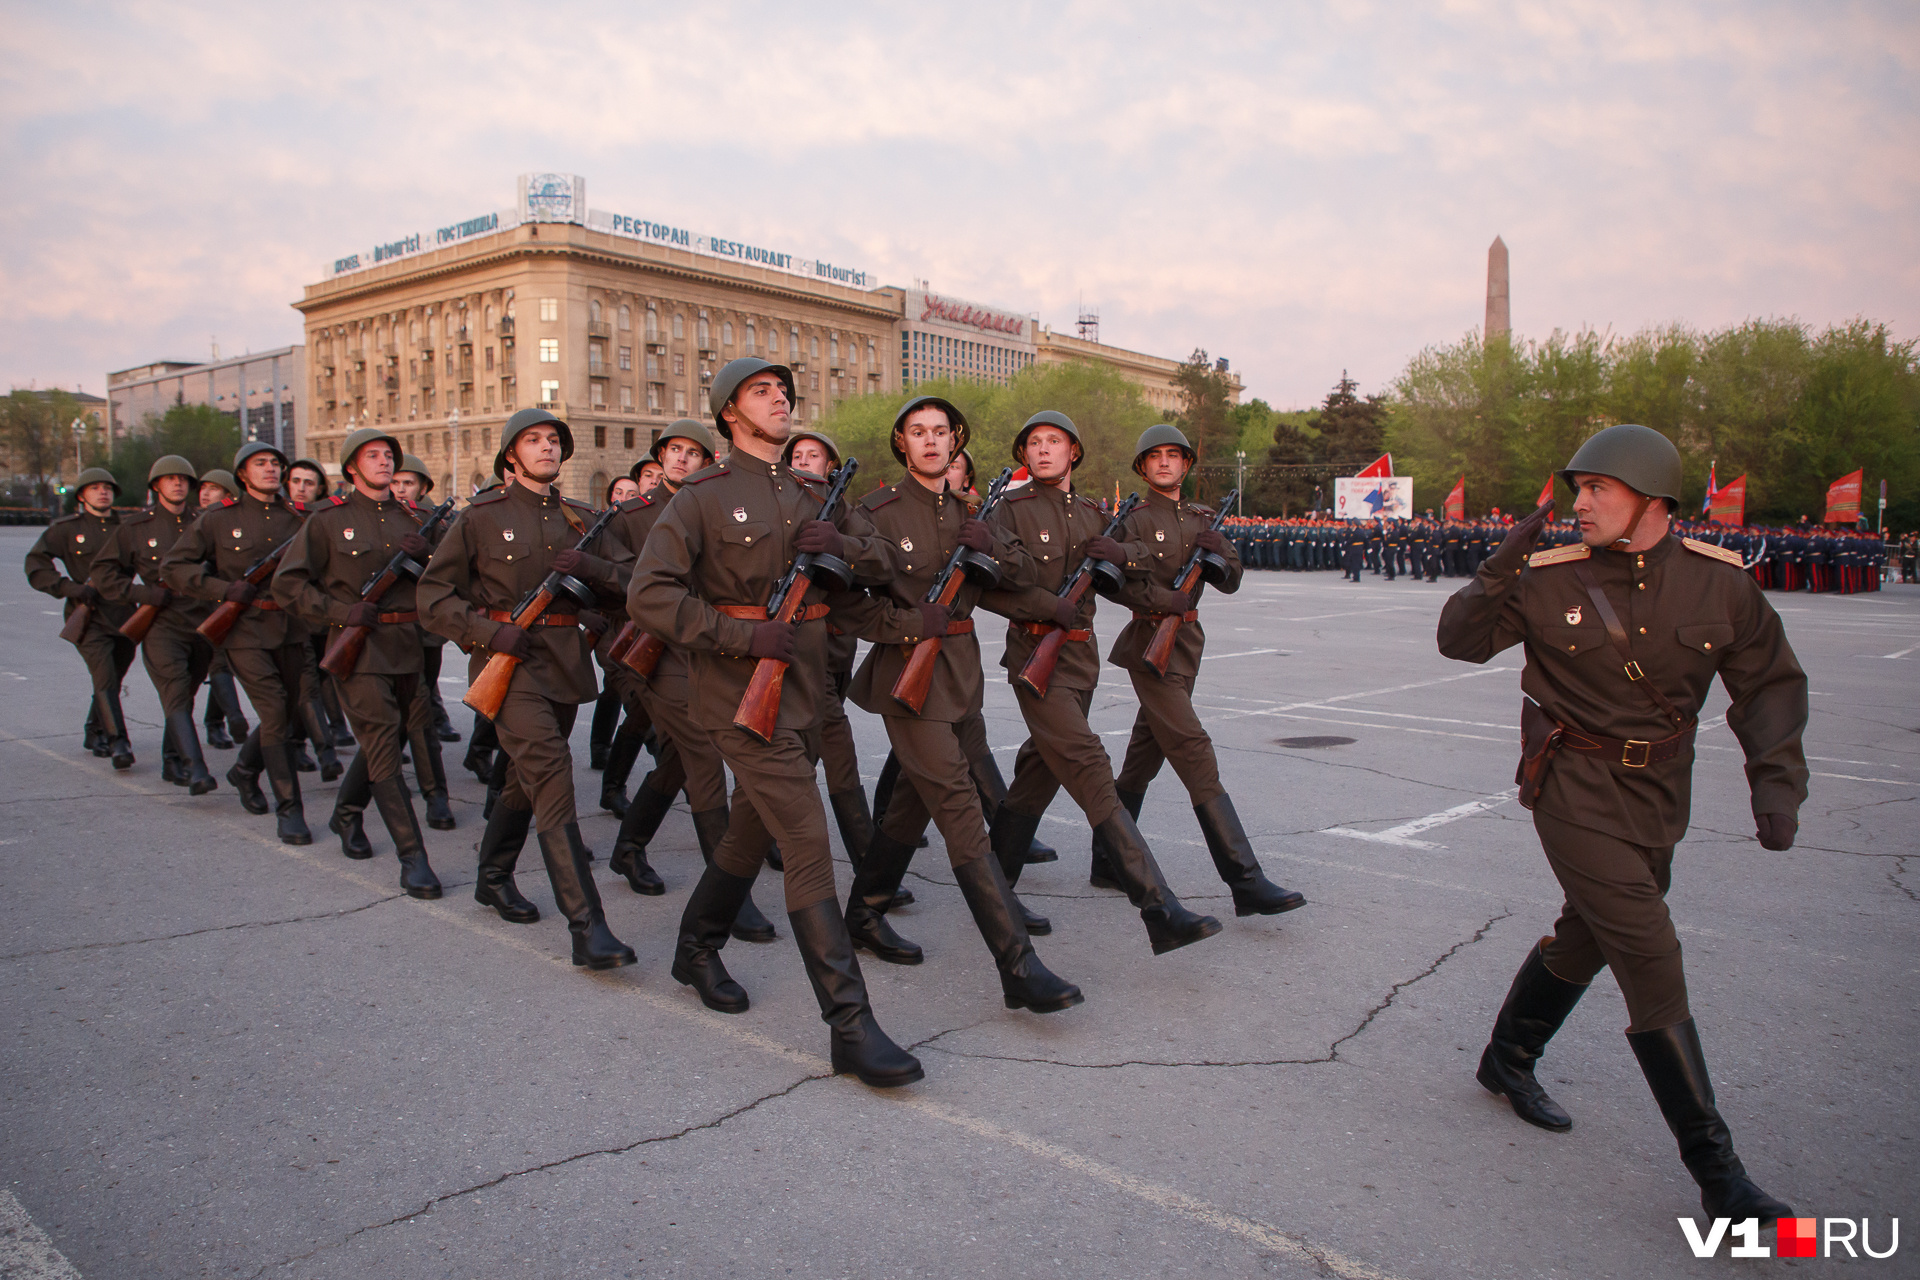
(1633, 526)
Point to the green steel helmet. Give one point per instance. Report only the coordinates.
(826, 442)
(171, 464)
(96, 475)
(1153, 437)
(1639, 457)
(418, 467)
(684, 429)
(520, 422)
(252, 447)
(962, 433)
(224, 479)
(735, 372)
(967, 455)
(1046, 418)
(361, 439)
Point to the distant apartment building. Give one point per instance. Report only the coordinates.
(263, 392)
(1154, 375)
(945, 337)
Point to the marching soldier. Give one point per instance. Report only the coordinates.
(703, 582)
(411, 485)
(127, 571)
(268, 650)
(924, 518)
(347, 540)
(501, 547)
(1159, 539)
(74, 540)
(223, 712)
(1059, 528)
(1624, 635)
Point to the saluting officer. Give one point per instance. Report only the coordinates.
(703, 582)
(927, 521)
(347, 540)
(1624, 634)
(1060, 528)
(127, 571)
(74, 540)
(268, 649)
(500, 548)
(1159, 538)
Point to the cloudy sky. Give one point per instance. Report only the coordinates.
(1301, 188)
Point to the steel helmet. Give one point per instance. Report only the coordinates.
(1637, 456)
(826, 442)
(1153, 437)
(735, 372)
(252, 447)
(417, 466)
(171, 464)
(96, 475)
(361, 439)
(684, 429)
(520, 422)
(1047, 418)
(224, 479)
(962, 433)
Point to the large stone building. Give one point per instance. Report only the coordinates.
(942, 337)
(263, 392)
(615, 323)
(1154, 375)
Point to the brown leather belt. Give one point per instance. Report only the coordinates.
(1631, 752)
(1191, 615)
(756, 613)
(1041, 629)
(551, 620)
(960, 627)
(394, 619)
(267, 604)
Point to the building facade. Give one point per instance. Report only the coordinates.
(263, 392)
(944, 337)
(615, 324)
(1154, 375)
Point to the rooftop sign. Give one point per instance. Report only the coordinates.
(931, 308)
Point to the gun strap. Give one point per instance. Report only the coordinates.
(1622, 645)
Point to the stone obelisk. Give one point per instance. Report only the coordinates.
(1499, 316)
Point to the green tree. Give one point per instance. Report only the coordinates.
(36, 429)
(200, 433)
(1352, 430)
(1859, 408)
(1206, 400)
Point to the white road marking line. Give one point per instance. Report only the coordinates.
(28, 1253)
(1355, 613)
(1218, 657)
(1903, 653)
(1892, 782)
(1402, 834)
(1168, 1199)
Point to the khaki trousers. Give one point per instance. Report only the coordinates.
(1166, 728)
(665, 700)
(1062, 750)
(533, 731)
(777, 797)
(934, 759)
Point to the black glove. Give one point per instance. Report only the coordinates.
(595, 623)
(157, 596)
(512, 641)
(1065, 613)
(819, 537)
(415, 547)
(363, 613)
(933, 619)
(1105, 548)
(1518, 544)
(240, 591)
(569, 561)
(1210, 540)
(1776, 830)
(772, 640)
(975, 535)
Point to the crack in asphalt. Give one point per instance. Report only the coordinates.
(194, 933)
(1333, 1050)
(542, 1167)
(1893, 877)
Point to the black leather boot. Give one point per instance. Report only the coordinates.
(1024, 981)
(396, 810)
(749, 925)
(860, 1047)
(500, 846)
(173, 769)
(114, 726)
(186, 739)
(90, 734)
(773, 857)
(873, 885)
(320, 733)
(704, 926)
(1169, 925)
(1676, 1071)
(291, 818)
(644, 816)
(439, 811)
(349, 804)
(217, 730)
(992, 787)
(479, 759)
(1009, 836)
(855, 823)
(1101, 874)
(1537, 1003)
(606, 718)
(613, 778)
(496, 782)
(882, 797)
(244, 776)
(430, 771)
(1233, 858)
(578, 899)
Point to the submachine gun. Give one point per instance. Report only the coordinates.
(1206, 566)
(963, 566)
(344, 653)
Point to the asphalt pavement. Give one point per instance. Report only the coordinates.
(227, 1057)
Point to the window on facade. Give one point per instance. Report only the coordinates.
(549, 309)
(413, 405)
(593, 311)
(549, 351)
(833, 349)
(596, 358)
(626, 399)
(489, 359)
(626, 357)
(653, 323)
(679, 365)
(813, 346)
(679, 325)
(489, 314)
(627, 436)
(726, 333)
(600, 439)
(599, 399)
(653, 365)
(626, 316)
(549, 390)
(653, 398)
(793, 342)
(751, 339)
(679, 401)
(705, 333)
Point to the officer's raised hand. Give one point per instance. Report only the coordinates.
(1518, 544)
(1776, 830)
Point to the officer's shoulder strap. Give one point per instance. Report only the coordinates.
(228, 501)
(705, 474)
(880, 497)
(140, 517)
(578, 505)
(1718, 553)
(805, 477)
(69, 518)
(1089, 501)
(1025, 491)
(635, 504)
(1199, 510)
(1559, 555)
(486, 496)
(338, 499)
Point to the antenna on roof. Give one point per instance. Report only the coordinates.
(1088, 324)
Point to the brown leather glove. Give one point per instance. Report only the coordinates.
(86, 593)
(1210, 540)
(569, 561)
(1776, 830)
(1105, 548)
(364, 613)
(1514, 549)
(819, 537)
(1065, 613)
(975, 535)
(240, 591)
(772, 640)
(933, 619)
(157, 596)
(512, 641)
(415, 547)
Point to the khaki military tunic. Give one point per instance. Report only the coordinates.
(128, 570)
(74, 541)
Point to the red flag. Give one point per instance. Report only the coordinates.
(1713, 469)
(1377, 469)
(1843, 498)
(1730, 502)
(1546, 494)
(1456, 505)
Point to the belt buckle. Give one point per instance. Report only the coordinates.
(1646, 754)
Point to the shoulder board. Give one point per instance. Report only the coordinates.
(228, 501)
(338, 499)
(578, 505)
(1089, 501)
(1718, 553)
(1021, 494)
(1199, 510)
(705, 474)
(66, 519)
(486, 496)
(1559, 555)
(141, 516)
(880, 497)
(635, 504)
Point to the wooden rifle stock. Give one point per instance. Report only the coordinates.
(343, 654)
(1167, 630)
(76, 624)
(136, 627)
(643, 655)
(486, 694)
(915, 681)
(214, 630)
(622, 641)
(1037, 672)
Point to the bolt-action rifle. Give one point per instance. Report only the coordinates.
(344, 653)
(487, 692)
(1037, 673)
(1202, 565)
(964, 565)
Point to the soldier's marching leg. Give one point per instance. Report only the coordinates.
(1537, 1003)
(480, 749)
(652, 800)
(431, 656)
(429, 766)
(500, 845)
(883, 789)
(244, 775)
(704, 925)
(1138, 768)
(349, 808)
(840, 759)
(1676, 1071)
(993, 787)
(712, 828)
(606, 718)
(618, 766)
(97, 647)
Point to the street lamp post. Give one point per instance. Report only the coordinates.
(1240, 485)
(79, 433)
(453, 433)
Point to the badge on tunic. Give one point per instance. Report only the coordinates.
(1573, 616)
(153, 542)
(1045, 536)
(347, 534)
(906, 544)
(1159, 535)
(236, 533)
(740, 514)
(79, 537)
(507, 534)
